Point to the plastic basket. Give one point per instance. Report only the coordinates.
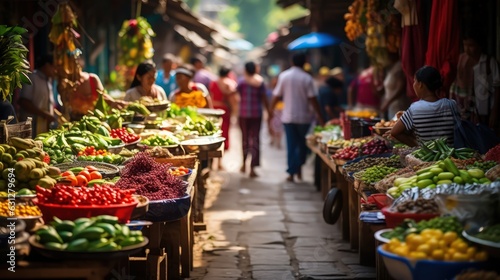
(21, 130)
(68, 212)
(394, 219)
(168, 209)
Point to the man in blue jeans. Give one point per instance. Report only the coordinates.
(297, 90)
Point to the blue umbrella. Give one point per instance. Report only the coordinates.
(313, 40)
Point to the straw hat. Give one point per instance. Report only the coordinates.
(336, 71)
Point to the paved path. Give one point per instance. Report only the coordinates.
(266, 228)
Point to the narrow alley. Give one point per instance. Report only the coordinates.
(267, 228)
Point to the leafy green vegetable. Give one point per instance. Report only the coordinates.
(14, 67)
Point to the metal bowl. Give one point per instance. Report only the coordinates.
(116, 149)
(158, 107)
(137, 128)
(203, 144)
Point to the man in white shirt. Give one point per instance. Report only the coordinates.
(37, 100)
(297, 90)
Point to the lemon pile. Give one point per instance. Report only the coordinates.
(433, 244)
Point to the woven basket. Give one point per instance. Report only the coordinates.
(21, 130)
(188, 161)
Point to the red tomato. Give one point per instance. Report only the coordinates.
(82, 180)
(91, 168)
(95, 175)
(67, 173)
(86, 174)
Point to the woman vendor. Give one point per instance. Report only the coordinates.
(190, 93)
(86, 91)
(144, 85)
(430, 117)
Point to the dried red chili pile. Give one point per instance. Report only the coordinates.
(493, 154)
(150, 179)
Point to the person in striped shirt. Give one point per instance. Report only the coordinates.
(430, 117)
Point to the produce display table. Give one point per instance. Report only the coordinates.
(166, 242)
(202, 174)
(359, 234)
(330, 171)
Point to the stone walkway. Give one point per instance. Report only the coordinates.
(266, 228)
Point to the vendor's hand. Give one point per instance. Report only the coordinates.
(119, 104)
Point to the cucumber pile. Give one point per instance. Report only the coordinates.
(97, 234)
(441, 173)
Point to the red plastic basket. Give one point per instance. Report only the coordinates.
(69, 212)
(394, 219)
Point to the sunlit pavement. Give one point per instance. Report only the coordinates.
(266, 228)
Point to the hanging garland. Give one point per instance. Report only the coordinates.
(66, 54)
(135, 47)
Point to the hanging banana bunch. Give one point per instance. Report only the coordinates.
(64, 37)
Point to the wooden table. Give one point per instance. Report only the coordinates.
(41, 268)
(201, 190)
(331, 172)
(167, 240)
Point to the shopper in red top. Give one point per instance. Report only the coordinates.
(253, 97)
(224, 96)
(363, 91)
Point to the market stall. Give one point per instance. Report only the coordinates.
(402, 197)
(123, 186)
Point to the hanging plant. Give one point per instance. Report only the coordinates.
(14, 67)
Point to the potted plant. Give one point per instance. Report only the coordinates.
(14, 67)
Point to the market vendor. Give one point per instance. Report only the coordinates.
(86, 91)
(430, 117)
(190, 93)
(144, 84)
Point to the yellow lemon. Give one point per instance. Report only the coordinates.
(450, 236)
(451, 251)
(402, 251)
(438, 254)
(447, 257)
(442, 244)
(410, 237)
(424, 248)
(471, 252)
(416, 240)
(417, 255)
(426, 232)
(437, 233)
(457, 244)
(459, 257)
(462, 247)
(433, 243)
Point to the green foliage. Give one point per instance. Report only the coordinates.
(229, 18)
(14, 67)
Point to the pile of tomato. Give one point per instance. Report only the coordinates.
(82, 178)
(91, 151)
(97, 195)
(124, 134)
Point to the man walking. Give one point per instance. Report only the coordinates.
(297, 90)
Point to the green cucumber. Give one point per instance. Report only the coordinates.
(446, 176)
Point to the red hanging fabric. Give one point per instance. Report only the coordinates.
(443, 46)
(413, 43)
